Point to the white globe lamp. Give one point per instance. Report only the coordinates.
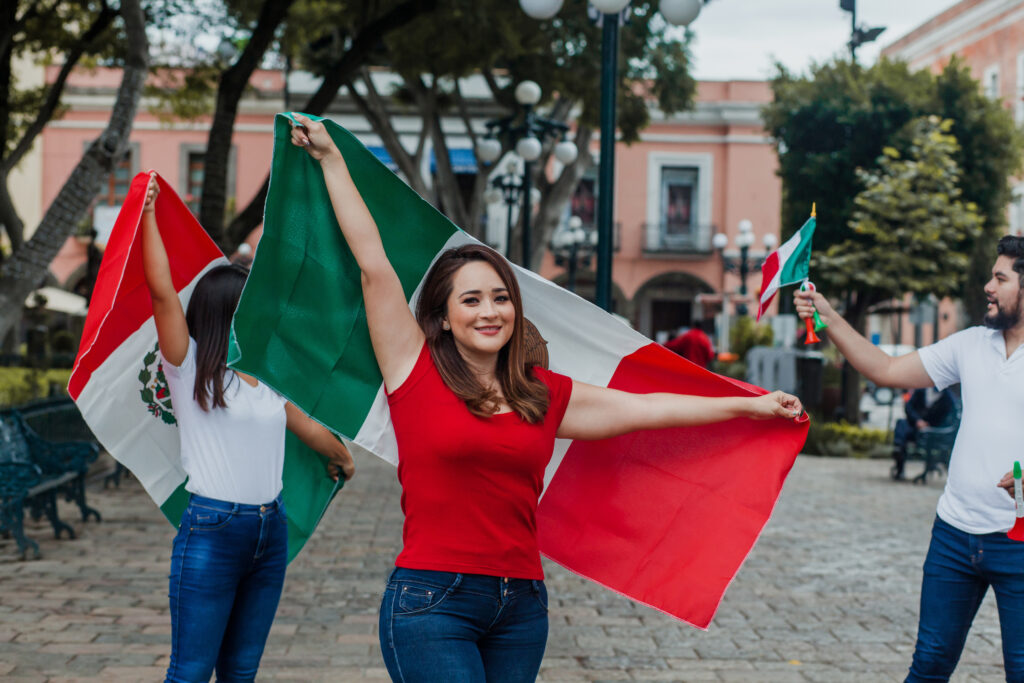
(609, 6)
(680, 12)
(488, 150)
(529, 148)
(566, 152)
(541, 9)
(528, 93)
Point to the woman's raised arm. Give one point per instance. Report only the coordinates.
(394, 332)
(600, 413)
(171, 328)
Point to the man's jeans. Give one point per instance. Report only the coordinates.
(227, 570)
(958, 570)
(462, 628)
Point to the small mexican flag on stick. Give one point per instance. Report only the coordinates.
(118, 381)
(790, 264)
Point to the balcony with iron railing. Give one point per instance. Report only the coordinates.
(675, 239)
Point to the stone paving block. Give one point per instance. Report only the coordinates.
(837, 593)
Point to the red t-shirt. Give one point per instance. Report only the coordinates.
(470, 485)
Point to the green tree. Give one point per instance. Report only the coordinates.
(27, 267)
(74, 32)
(912, 215)
(256, 32)
(562, 55)
(837, 121)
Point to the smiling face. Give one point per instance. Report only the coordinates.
(1003, 292)
(480, 313)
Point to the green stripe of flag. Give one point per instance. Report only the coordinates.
(307, 492)
(797, 265)
(303, 267)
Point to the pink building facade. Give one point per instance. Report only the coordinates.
(691, 175)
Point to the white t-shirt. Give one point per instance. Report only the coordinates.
(235, 453)
(991, 434)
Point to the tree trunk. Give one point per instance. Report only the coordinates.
(557, 197)
(356, 56)
(9, 217)
(26, 270)
(230, 90)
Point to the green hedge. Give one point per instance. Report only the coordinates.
(844, 440)
(21, 385)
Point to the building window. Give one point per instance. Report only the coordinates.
(679, 203)
(194, 185)
(584, 201)
(118, 182)
(990, 82)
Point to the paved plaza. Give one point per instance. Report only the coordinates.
(828, 594)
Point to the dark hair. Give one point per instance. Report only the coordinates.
(208, 318)
(524, 393)
(1014, 247)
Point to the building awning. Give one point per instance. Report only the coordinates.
(383, 156)
(462, 160)
(60, 300)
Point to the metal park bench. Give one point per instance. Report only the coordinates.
(934, 445)
(33, 473)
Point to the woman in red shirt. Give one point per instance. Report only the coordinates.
(476, 424)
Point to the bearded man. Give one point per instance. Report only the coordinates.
(969, 548)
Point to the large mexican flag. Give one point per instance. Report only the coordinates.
(118, 381)
(664, 517)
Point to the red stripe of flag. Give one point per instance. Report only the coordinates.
(666, 517)
(120, 302)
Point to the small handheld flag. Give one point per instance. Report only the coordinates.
(1017, 532)
(788, 265)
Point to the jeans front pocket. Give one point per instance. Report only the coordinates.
(208, 519)
(414, 595)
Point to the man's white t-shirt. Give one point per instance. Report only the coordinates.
(236, 453)
(991, 434)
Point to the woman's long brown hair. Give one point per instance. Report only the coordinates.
(210, 310)
(524, 393)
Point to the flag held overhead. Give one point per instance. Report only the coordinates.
(665, 517)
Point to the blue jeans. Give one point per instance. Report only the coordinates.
(227, 570)
(957, 572)
(462, 628)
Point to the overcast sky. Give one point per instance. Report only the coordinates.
(741, 39)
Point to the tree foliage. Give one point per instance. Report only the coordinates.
(841, 116)
(71, 32)
(911, 212)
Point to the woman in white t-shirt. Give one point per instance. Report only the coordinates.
(229, 556)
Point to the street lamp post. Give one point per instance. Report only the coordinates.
(678, 12)
(858, 35)
(528, 138)
(573, 246)
(505, 188)
(744, 240)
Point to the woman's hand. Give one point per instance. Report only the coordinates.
(313, 137)
(775, 404)
(343, 466)
(152, 190)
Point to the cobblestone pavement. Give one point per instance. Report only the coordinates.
(828, 594)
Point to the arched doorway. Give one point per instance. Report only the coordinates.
(666, 302)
